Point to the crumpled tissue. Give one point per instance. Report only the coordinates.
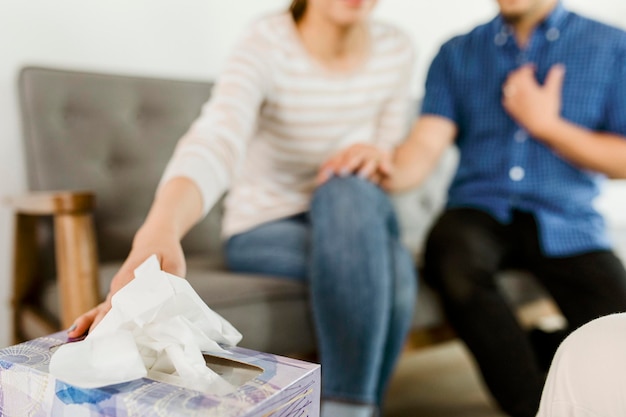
(158, 327)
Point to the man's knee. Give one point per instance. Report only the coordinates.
(459, 230)
(460, 256)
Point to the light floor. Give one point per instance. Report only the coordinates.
(438, 381)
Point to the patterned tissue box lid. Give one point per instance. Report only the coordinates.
(285, 387)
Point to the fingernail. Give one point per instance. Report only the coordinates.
(344, 172)
(72, 328)
(362, 175)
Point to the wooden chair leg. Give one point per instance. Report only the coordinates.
(24, 266)
(77, 270)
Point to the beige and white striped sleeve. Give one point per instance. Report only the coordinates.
(212, 149)
(397, 113)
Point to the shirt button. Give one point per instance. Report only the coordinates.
(516, 173)
(501, 38)
(520, 136)
(553, 34)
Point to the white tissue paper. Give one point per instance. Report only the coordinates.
(158, 327)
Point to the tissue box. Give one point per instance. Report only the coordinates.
(267, 385)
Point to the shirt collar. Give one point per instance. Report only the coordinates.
(555, 19)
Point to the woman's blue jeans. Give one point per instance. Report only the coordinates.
(362, 281)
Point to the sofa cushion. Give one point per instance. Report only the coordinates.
(272, 313)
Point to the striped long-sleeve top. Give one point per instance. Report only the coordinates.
(276, 114)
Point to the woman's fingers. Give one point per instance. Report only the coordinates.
(98, 318)
(385, 165)
(366, 161)
(174, 266)
(174, 263)
(83, 323)
(328, 169)
(322, 176)
(89, 320)
(367, 169)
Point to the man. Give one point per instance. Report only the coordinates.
(535, 101)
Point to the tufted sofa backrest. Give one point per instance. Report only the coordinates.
(113, 135)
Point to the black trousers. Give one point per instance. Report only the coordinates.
(464, 251)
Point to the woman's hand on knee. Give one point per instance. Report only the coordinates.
(365, 160)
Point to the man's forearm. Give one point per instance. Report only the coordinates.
(596, 151)
(412, 165)
(416, 158)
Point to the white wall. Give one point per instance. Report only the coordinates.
(174, 38)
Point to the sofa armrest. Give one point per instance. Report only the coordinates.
(53, 203)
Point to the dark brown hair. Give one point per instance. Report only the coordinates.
(297, 9)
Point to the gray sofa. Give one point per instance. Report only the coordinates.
(112, 135)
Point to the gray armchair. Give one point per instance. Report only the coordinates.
(103, 142)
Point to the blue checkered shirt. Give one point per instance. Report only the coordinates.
(502, 168)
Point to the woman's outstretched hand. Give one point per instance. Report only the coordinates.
(146, 243)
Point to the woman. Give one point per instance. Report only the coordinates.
(298, 129)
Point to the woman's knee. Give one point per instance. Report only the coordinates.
(350, 194)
